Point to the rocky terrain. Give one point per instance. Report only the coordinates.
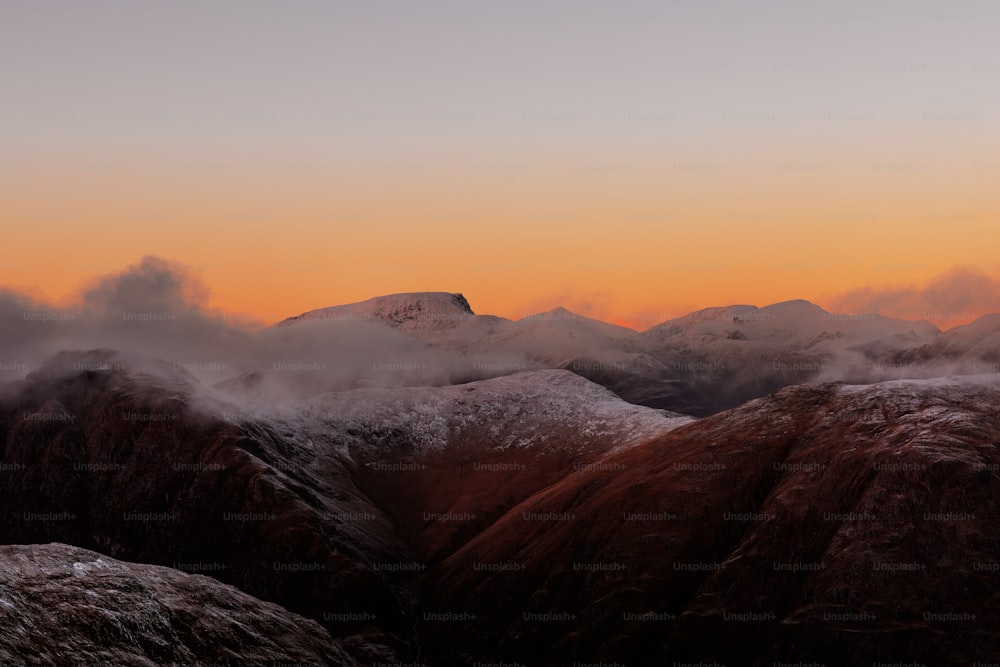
(65, 605)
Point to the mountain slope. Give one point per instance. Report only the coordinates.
(837, 524)
(447, 461)
(65, 605)
(313, 506)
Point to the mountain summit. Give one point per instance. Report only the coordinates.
(411, 312)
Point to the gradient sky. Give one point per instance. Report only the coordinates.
(628, 162)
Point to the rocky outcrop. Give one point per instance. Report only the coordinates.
(62, 605)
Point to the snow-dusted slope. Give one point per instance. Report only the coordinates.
(470, 451)
(523, 410)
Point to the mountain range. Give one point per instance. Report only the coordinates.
(402, 481)
(698, 364)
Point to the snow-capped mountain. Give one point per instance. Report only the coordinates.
(742, 352)
(802, 326)
(416, 313)
(560, 337)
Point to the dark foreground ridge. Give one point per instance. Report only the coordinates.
(64, 605)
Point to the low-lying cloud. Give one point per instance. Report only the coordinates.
(956, 297)
(157, 309)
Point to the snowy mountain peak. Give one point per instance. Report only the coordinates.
(559, 313)
(409, 312)
(799, 308)
(699, 317)
(795, 302)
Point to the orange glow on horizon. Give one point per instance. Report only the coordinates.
(634, 244)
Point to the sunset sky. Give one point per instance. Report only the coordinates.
(630, 161)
